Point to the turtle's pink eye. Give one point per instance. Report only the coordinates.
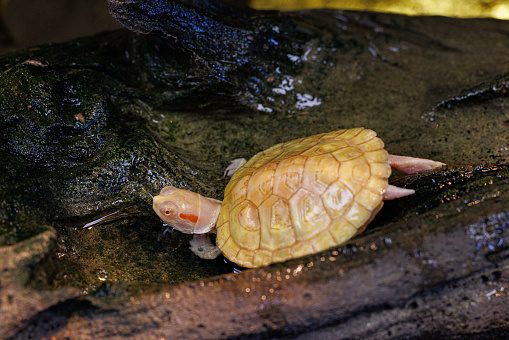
(168, 210)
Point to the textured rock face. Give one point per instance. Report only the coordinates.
(91, 127)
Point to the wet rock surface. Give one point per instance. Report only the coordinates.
(92, 127)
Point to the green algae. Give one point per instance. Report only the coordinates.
(94, 127)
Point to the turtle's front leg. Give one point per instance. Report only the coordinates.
(234, 166)
(202, 246)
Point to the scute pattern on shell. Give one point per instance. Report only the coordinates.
(302, 197)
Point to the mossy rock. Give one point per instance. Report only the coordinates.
(92, 127)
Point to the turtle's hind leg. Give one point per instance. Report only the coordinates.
(394, 192)
(411, 165)
(408, 165)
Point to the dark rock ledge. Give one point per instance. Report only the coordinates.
(91, 127)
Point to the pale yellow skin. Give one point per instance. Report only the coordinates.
(293, 199)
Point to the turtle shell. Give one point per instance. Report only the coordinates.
(302, 197)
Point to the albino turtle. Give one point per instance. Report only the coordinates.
(293, 199)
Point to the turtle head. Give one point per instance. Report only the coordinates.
(186, 211)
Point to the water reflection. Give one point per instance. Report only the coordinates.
(454, 8)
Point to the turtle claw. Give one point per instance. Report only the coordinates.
(411, 165)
